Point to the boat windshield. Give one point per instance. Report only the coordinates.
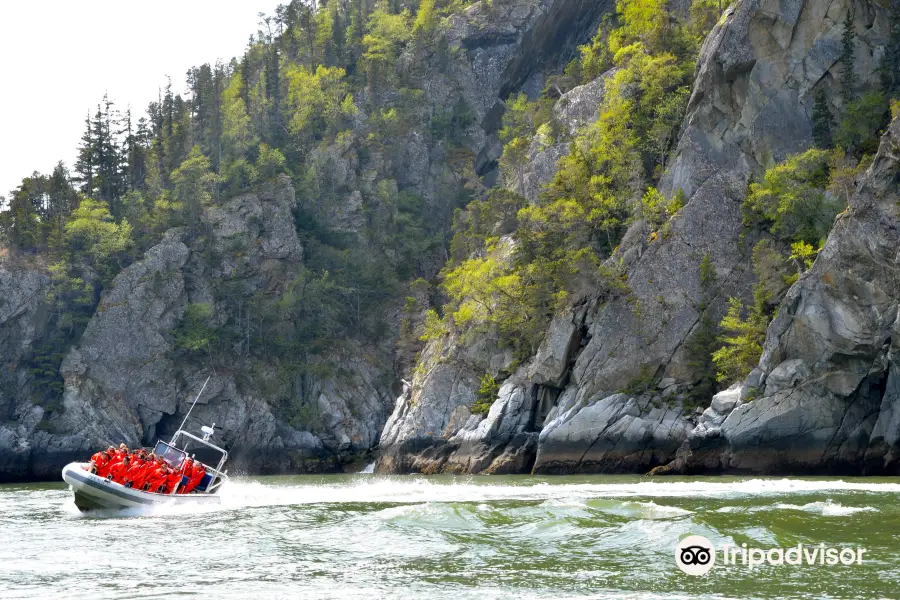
(170, 454)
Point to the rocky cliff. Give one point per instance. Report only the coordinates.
(826, 395)
(608, 390)
(127, 378)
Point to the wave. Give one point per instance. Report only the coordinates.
(828, 508)
(415, 490)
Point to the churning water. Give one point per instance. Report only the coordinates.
(368, 536)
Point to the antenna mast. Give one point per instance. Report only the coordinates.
(192, 407)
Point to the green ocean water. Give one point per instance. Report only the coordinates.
(368, 536)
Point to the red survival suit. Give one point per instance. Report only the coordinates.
(100, 463)
(137, 465)
(196, 477)
(119, 470)
(173, 480)
(140, 478)
(156, 479)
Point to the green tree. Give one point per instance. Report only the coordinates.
(521, 121)
(196, 331)
(270, 162)
(319, 103)
(861, 123)
(386, 36)
(822, 121)
(93, 234)
(426, 18)
(890, 65)
(703, 340)
(846, 59)
(742, 338)
(194, 185)
(238, 135)
(791, 201)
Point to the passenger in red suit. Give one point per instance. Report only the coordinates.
(140, 478)
(173, 480)
(197, 474)
(150, 471)
(118, 471)
(97, 461)
(156, 479)
(137, 467)
(104, 465)
(116, 457)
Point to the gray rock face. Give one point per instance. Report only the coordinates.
(510, 44)
(22, 318)
(580, 106)
(119, 380)
(496, 443)
(750, 108)
(551, 364)
(436, 406)
(828, 377)
(124, 382)
(615, 434)
(574, 110)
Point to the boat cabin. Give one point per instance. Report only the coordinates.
(184, 444)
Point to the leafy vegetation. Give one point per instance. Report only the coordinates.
(486, 394)
(331, 94)
(512, 285)
(795, 205)
(319, 83)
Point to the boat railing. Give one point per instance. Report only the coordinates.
(218, 476)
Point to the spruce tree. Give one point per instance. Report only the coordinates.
(84, 165)
(890, 65)
(704, 340)
(849, 80)
(822, 121)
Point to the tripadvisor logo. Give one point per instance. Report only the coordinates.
(696, 555)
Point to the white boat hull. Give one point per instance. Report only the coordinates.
(96, 493)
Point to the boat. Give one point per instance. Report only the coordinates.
(93, 492)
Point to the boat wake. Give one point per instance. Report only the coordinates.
(407, 490)
(240, 494)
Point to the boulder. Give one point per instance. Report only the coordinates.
(615, 434)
